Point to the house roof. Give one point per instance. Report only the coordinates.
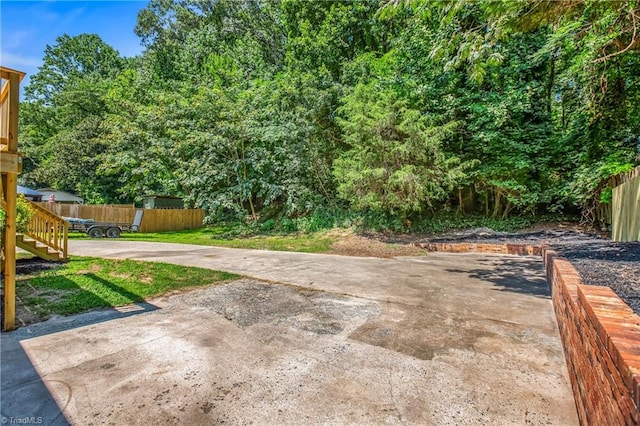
(162, 196)
(28, 191)
(60, 195)
(5, 73)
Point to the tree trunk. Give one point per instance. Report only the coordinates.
(552, 77)
(507, 210)
(497, 203)
(244, 177)
(486, 204)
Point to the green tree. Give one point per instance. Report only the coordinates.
(395, 163)
(272, 108)
(62, 118)
(83, 57)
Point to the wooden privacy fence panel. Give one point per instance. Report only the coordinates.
(97, 213)
(153, 220)
(157, 220)
(625, 223)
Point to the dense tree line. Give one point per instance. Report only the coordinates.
(279, 108)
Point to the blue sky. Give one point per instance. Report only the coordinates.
(27, 27)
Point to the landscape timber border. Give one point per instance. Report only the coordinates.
(600, 334)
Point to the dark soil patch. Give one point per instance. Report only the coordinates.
(598, 260)
(348, 244)
(26, 268)
(31, 266)
(34, 265)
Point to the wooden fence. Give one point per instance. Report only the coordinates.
(158, 220)
(153, 220)
(625, 221)
(110, 213)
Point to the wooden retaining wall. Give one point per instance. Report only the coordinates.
(517, 249)
(153, 220)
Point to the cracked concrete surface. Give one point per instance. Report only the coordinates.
(443, 339)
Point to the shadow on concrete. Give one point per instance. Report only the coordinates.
(512, 275)
(26, 396)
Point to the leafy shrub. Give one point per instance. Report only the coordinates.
(268, 225)
(23, 215)
(288, 225)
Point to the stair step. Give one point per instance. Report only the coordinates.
(43, 250)
(37, 248)
(32, 243)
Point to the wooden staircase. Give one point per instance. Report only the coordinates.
(46, 235)
(34, 247)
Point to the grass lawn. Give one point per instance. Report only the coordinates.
(317, 242)
(86, 283)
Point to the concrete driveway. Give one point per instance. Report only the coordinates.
(304, 339)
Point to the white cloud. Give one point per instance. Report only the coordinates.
(14, 39)
(12, 60)
(75, 13)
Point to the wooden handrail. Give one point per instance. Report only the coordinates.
(44, 211)
(48, 229)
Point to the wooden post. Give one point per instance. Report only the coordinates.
(65, 242)
(10, 187)
(10, 253)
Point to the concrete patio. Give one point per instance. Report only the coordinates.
(305, 339)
